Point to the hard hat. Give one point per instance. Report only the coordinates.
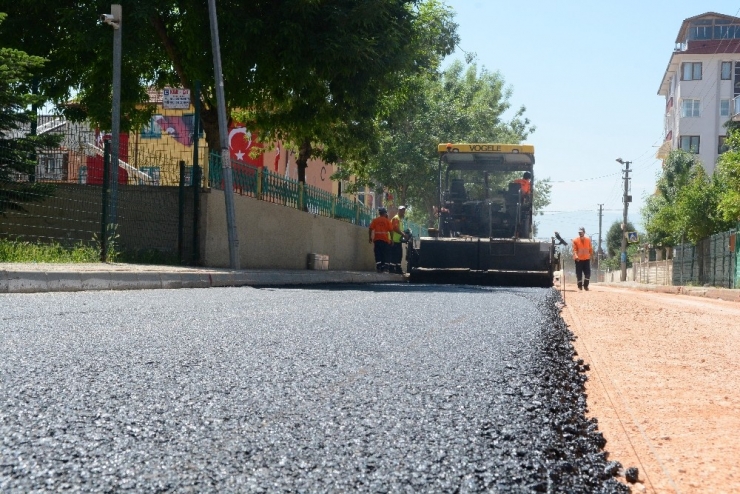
(401, 208)
(527, 175)
(382, 211)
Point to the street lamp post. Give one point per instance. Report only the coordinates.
(115, 20)
(626, 199)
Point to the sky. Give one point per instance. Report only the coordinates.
(588, 73)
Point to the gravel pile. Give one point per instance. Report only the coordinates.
(290, 390)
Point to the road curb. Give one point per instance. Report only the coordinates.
(36, 281)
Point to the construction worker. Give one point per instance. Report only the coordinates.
(380, 237)
(525, 182)
(397, 236)
(582, 252)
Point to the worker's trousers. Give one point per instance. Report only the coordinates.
(583, 273)
(381, 250)
(396, 252)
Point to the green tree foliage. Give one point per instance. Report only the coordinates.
(614, 238)
(697, 207)
(728, 175)
(689, 205)
(17, 147)
(659, 214)
(459, 104)
(311, 73)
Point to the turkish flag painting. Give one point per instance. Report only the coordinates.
(241, 143)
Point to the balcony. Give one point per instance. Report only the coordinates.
(735, 109)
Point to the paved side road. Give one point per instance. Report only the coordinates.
(48, 277)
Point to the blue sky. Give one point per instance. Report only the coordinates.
(588, 74)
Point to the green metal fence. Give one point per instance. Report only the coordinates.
(712, 261)
(265, 185)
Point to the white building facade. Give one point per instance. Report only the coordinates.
(701, 86)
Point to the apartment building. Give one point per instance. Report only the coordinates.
(701, 86)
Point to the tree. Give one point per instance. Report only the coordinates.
(697, 206)
(309, 73)
(459, 104)
(690, 205)
(614, 238)
(728, 174)
(659, 214)
(17, 147)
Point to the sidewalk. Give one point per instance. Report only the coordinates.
(49, 277)
(728, 294)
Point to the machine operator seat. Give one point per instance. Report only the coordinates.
(457, 190)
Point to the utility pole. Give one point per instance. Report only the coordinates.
(626, 199)
(598, 248)
(222, 130)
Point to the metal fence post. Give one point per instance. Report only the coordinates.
(196, 177)
(258, 192)
(181, 213)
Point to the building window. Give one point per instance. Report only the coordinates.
(690, 108)
(726, 71)
(724, 108)
(721, 146)
(691, 71)
(690, 144)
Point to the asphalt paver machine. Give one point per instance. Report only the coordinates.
(484, 224)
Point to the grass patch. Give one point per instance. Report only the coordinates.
(20, 251)
(23, 251)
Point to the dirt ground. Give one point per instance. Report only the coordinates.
(664, 384)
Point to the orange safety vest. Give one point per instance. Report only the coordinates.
(582, 248)
(381, 228)
(526, 186)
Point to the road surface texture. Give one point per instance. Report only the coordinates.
(663, 382)
(388, 388)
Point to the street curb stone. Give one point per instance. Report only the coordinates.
(39, 277)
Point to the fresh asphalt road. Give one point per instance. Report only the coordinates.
(317, 389)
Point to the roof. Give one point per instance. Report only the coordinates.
(682, 32)
(698, 47)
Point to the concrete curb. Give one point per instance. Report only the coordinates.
(727, 294)
(138, 278)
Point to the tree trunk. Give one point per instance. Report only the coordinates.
(304, 153)
(209, 119)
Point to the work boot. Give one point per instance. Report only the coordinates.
(580, 285)
(585, 284)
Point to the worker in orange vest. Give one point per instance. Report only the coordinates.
(582, 252)
(380, 237)
(525, 183)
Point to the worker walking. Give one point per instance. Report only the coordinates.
(380, 237)
(397, 236)
(582, 252)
